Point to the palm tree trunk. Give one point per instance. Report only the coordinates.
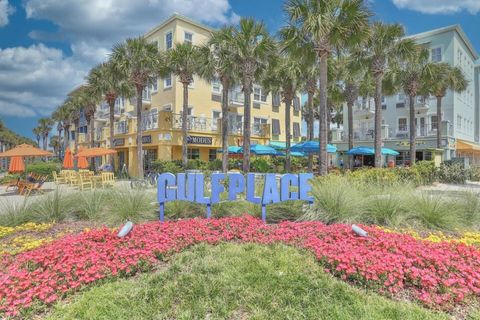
(350, 132)
(139, 132)
(412, 130)
(439, 121)
(246, 127)
(66, 132)
(111, 106)
(323, 138)
(288, 103)
(185, 125)
(92, 139)
(310, 125)
(59, 142)
(76, 136)
(225, 127)
(378, 120)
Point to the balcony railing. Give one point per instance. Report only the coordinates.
(195, 123)
(236, 96)
(121, 127)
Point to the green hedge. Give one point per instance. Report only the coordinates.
(44, 168)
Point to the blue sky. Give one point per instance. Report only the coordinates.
(47, 46)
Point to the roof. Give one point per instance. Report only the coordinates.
(456, 28)
(179, 17)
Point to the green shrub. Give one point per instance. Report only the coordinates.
(44, 168)
(235, 164)
(214, 165)
(13, 214)
(261, 164)
(474, 173)
(10, 178)
(128, 204)
(425, 172)
(90, 205)
(452, 173)
(54, 206)
(161, 166)
(374, 176)
(434, 212)
(385, 207)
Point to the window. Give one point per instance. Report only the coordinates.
(190, 111)
(402, 124)
(401, 97)
(296, 130)
(154, 86)
(434, 123)
(169, 40)
(436, 54)
(193, 153)
(276, 100)
(259, 95)
(216, 86)
(296, 104)
(212, 154)
(167, 82)
(459, 122)
(150, 119)
(192, 84)
(275, 127)
(167, 107)
(147, 94)
(188, 37)
(215, 116)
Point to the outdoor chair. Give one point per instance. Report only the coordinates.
(108, 179)
(13, 184)
(34, 187)
(85, 182)
(74, 178)
(58, 179)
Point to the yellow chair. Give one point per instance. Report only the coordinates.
(85, 182)
(74, 178)
(108, 179)
(58, 178)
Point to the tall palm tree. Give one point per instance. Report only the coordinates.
(383, 49)
(415, 72)
(183, 61)
(89, 99)
(55, 144)
(218, 61)
(73, 106)
(38, 134)
(63, 116)
(45, 126)
(445, 77)
(284, 76)
(137, 60)
(328, 24)
(253, 47)
(107, 81)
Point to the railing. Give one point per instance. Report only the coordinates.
(195, 123)
(236, 96)
(121, 127)
(150, 120)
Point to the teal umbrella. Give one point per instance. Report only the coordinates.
(369, 151)
(232, 149)
(261, 150)
(312, 146)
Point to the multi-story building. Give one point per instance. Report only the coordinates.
(162, 108)
(460, 118)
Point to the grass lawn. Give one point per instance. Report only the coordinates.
(236, 282)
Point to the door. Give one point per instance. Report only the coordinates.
(149, 155)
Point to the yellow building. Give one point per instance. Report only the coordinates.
(162, 102)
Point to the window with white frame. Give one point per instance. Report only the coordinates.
(188, 37)
(147, 94)
(216, 86)
(434, 123)
(436, 54)
(169, 40)
(167, 82)
(402, 124)
(259, 94)
(167, 107)
(154, 85)
(401, 97)
(215, 116)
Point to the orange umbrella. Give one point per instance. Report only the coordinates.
(68, 159)
(82, 162)
(95, 152)
(16, 165)
(25, 150)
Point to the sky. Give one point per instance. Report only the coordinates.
(48, 46)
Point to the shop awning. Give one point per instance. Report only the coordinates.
(465, 146)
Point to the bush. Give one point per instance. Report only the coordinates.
(425, 172)
(127, 204)
(234, 164)
(54, 206)
(374, 176)
(261, 164)
(214, 165)
(452, 173)
(10, 178)
(44, 168)
(474, 173)
(161, 166)
(433, 212)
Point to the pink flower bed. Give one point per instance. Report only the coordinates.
(440, 275)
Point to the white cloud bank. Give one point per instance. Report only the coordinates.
(439, 6)
(36, 79)
(5, 11)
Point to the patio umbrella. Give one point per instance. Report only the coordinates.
(312, 146)
(25, 150)
(95, 152)
(16, 165)
(368, 151)
(232, 149)
(68, 159)
(82, 162)
(261, 150)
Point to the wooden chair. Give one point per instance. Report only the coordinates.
(58, 179)
(85, 182)
(74, 179)
(33, 187)
(13, 184)
(108, 179)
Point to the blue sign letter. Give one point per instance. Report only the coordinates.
(199, 189)
(236, 184)
(288, 180)
(186, 186)
(166, 180)
(270, 191)
(217, 186)
(251, 189)
(304, 186)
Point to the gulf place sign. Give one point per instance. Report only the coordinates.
(191, 187)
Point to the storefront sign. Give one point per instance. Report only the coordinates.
(199, 140)
(191, 187)
(118, 142)
(147, 139)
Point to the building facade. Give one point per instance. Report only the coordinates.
(162, 108)
(460, 117)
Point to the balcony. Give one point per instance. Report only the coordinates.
(403, 132)
(363, 112)
(236, 97)
(121, 127)
(201, 124)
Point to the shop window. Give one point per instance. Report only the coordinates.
(193, 153)
(212, 154)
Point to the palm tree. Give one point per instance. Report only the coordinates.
(106, 80)
(183, 61)
(89, 99)
(445, 77)
(217, 61)
(328, 24)
(137, 60)
(284, 77)
(38, 134)
(74, 108)
(414, 73)
(55, 144)
(253, 47)
(45, 126)
(383, 50)
(63, 116)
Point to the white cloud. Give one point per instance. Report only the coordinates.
(439, 6)
(5, 11)
(34, 80)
